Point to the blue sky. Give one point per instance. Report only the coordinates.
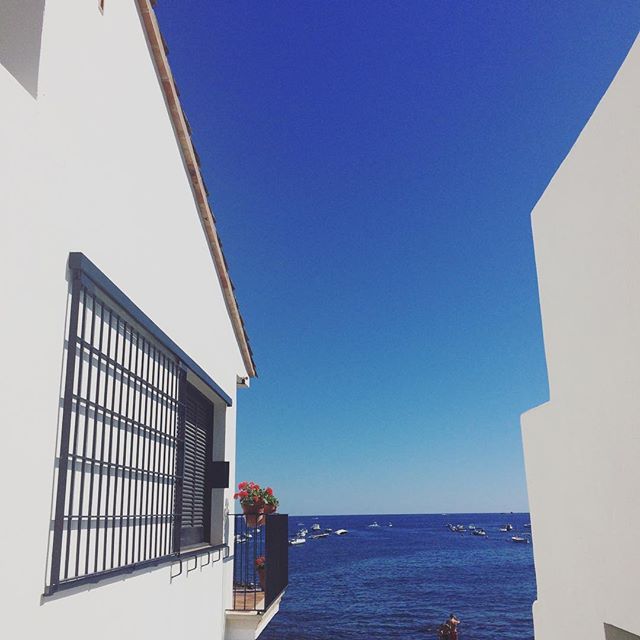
(373, 166)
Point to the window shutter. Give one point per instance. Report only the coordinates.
(196, 495)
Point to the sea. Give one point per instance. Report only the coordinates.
(403, 579)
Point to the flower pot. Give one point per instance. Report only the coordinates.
(262, 577)
(253, 515)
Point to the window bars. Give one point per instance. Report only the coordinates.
(121, 445)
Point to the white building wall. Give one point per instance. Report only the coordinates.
(92, 165)
(582, 448)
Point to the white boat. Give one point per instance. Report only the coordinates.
(479, 532)
(341, 532)
(302, 533)
(295, 541)
(328, 530)
(320, 535)
(373, 525)
(520, 539)
(389, 525)
(315, 527)
(471, 527)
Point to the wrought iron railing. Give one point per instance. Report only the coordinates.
(261, 561)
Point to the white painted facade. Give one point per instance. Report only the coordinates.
(582, 448)
(90, 162)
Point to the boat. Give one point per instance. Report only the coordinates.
(320, 535)
(389, 525)
(302, 533)
(471, 527)
(527, 526)
(479, 532)
(506, 528)
(341, 532)
(327, 530)
(520, 539)
(239, 539)
(295, 541)
(456, 528)
(315, 527)
(373, 525)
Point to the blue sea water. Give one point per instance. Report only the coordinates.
(403, 581)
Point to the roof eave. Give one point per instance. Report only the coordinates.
(190, 159)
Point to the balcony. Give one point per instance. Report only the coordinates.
(260, 573)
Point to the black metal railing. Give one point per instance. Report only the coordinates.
(261, 560)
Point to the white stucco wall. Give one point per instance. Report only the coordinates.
(582, 449)
(92, 165)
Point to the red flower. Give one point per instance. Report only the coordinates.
(269, 491)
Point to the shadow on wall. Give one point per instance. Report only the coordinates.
(613, 633)
(20, 40)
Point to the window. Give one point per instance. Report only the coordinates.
(198, 440)
(135, 469)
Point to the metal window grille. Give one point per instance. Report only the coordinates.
(122, 442)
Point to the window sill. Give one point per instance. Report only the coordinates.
(103, 576)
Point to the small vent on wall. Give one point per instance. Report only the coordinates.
(614, 633)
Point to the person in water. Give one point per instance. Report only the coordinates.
(449, 629)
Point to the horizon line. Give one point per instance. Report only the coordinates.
(449, 513)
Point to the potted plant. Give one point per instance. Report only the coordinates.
(261, 570)
(270, 501)
(251, 498)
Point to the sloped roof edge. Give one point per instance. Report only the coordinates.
(192, 165)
